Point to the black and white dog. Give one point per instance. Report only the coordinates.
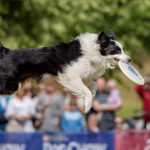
(73, 65)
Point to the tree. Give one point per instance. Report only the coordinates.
(34, 23)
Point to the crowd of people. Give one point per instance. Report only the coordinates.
(49, 109)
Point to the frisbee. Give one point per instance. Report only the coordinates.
(131, 73)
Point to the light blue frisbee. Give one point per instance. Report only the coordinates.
(131, 73)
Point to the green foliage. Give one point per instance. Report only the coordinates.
(37, 23)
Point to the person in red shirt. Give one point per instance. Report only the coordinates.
(144, 92)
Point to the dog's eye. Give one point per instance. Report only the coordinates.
(118, 51)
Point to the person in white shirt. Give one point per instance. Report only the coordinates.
(19, 112)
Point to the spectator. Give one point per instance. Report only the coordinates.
(80, 101)
(53, 109)
(3, 104)
(101, 96)
(67, 99)
(93, 123)
(20, 110)
(118, 122)
(72, 119)
(106, 105)
(28, 87)
(114, 95)
(144, 92)
(40, 99)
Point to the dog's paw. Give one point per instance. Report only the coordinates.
(87, 105)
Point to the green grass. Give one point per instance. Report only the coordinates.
(129, 109)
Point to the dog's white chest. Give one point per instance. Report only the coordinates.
(94, 72)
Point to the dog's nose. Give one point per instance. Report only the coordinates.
(129, 60)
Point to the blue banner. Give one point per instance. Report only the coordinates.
(57, 141)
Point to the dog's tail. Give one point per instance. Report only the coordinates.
(3, 50)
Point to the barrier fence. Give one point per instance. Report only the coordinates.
(110, 140)
(132, 140)
(57, 141)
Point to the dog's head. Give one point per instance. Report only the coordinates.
(112, 49)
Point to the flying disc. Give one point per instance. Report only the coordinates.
(131, 73)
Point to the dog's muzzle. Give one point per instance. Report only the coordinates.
(129, 60)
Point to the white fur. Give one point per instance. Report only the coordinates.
(78, 77)
(123, 57)
(19, 86)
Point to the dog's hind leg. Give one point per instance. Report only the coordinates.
(77, 87)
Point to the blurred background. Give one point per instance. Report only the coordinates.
(35, 24)
(40, 23)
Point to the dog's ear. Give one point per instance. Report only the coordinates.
(111, 35)
(103, 39)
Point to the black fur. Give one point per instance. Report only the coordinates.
(108, 46)
(103, 39)
(111, 35)
(19, 65)
(111, 49)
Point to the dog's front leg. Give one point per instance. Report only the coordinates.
(92, 85)
(77, 87)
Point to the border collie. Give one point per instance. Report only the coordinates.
(73, 65)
